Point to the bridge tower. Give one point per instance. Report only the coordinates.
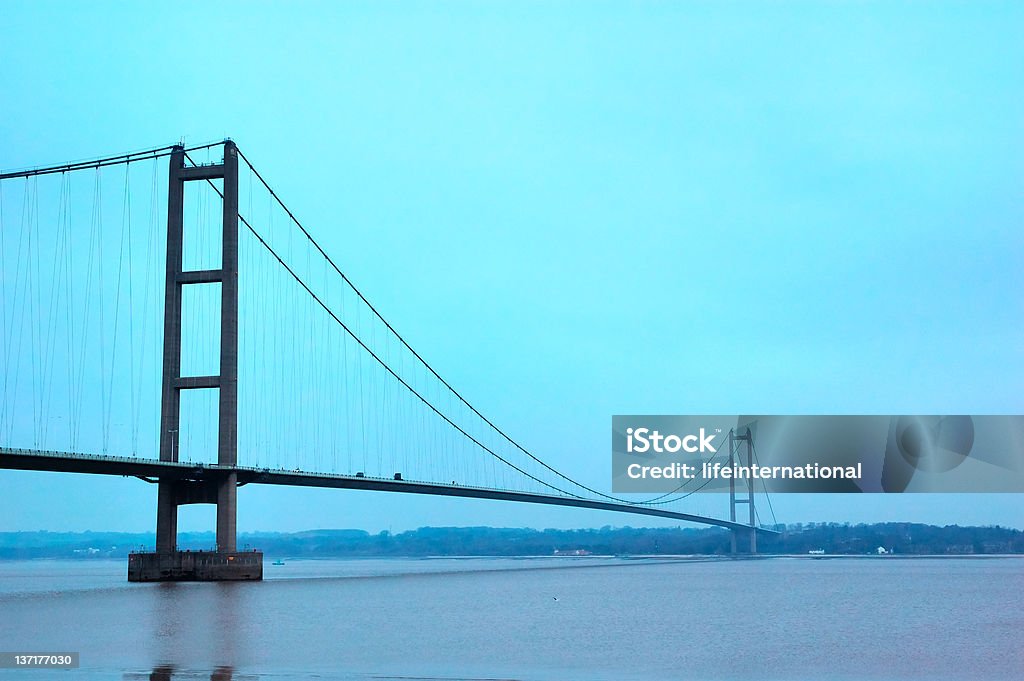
(217, 485)
(749, 500)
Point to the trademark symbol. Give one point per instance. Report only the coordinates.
(718, 430)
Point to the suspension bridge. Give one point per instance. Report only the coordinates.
(260, 363)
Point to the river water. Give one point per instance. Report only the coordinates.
(535, 619)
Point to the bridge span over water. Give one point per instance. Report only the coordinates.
(153, 471)
(260, 344)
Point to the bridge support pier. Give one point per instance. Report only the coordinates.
(227, 505)
(167, 562)
(736, 536)
(166, 518)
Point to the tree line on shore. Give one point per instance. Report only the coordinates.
(799, 538)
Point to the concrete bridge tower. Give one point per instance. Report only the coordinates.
(214, 485)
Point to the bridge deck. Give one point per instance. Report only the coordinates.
(64, 462)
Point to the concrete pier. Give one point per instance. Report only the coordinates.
(195, 566)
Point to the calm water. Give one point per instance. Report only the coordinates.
(544, 619)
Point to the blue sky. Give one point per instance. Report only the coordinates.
(581, 209)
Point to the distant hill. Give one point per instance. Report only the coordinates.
(898, 538)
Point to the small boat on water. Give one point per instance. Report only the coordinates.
(278, 562)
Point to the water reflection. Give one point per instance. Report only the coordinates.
(192, 624)
(167, 672)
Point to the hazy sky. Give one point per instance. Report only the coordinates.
(580, 209)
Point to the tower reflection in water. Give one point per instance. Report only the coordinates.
(194, 641)
(169, 673)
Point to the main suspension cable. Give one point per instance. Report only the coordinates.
(129, 157)
(380, 361)
(402, 340)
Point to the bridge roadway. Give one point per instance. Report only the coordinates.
(151, 470)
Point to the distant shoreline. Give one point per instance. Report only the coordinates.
(812, 540)
(571, 562)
